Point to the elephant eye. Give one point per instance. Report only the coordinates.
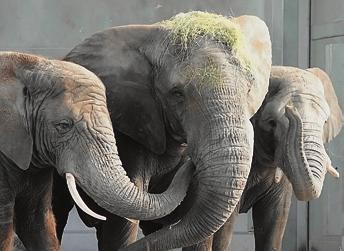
(268, 124)
(176, 92)
(272, 123)
(64, 126)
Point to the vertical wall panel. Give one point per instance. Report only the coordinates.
(326, 215)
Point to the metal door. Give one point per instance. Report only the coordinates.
(326, 215)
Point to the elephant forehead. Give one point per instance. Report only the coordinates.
(185, 28)
(189, 26)
(311, 106)
(205, 70)
(96, 116)
(81, 92)
(77, 73)
(81, 85)
(215, 71)
(303, 97)
(309, 83)
(289, 79)
(75, 104)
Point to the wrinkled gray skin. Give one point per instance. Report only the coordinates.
(18, 244)
(299, 114)
(53, 114)
(152, 100)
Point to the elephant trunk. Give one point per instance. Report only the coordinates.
(222, 167)
(103, 178)
(306, 157)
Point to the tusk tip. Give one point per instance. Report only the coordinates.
(278, 175)
(133, 221)
(71, 184)
(332, 171)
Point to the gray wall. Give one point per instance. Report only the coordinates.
(52, 28)
(327, 51)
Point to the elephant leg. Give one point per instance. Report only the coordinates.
(18, 244)
(205, 245)
(7, 199)
(6, 220)
(35, 223)
(116, 233)
(37, 230)
(270, 215)
(6, 237)
(62, 204)
(223, 237)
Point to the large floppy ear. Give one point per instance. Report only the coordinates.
(117, 57)
(335, 122)
(256, 48)
(15, 140)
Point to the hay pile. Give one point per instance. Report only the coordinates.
(185, 28)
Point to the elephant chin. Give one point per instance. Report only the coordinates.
(77, 198)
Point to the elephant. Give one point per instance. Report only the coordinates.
(185, 86)
(299, 114)
(53, 116)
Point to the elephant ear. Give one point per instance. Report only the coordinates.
(256, 48)
(336, 119)
(15, 140)
(117, 57)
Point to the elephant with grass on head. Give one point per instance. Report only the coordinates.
(195, 79)
(53, 114)
(299, 114)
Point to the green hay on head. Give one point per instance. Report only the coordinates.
(186, 27)
(210, 73)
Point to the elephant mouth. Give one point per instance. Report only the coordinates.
(77, 198)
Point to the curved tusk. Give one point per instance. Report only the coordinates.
(278, 175)
(133, 221)
(78, 200)
(332, 170)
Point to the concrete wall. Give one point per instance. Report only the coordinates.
(52, 28)
(326, 215)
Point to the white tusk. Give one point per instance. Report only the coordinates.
(332, 170)
(278, 175)
(78, 200)
(133, 221)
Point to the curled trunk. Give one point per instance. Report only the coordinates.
(221, 173)
(106, 182)
(306, 157)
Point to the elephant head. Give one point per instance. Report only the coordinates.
(54, 113)
(198, 77)
(301, 112)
